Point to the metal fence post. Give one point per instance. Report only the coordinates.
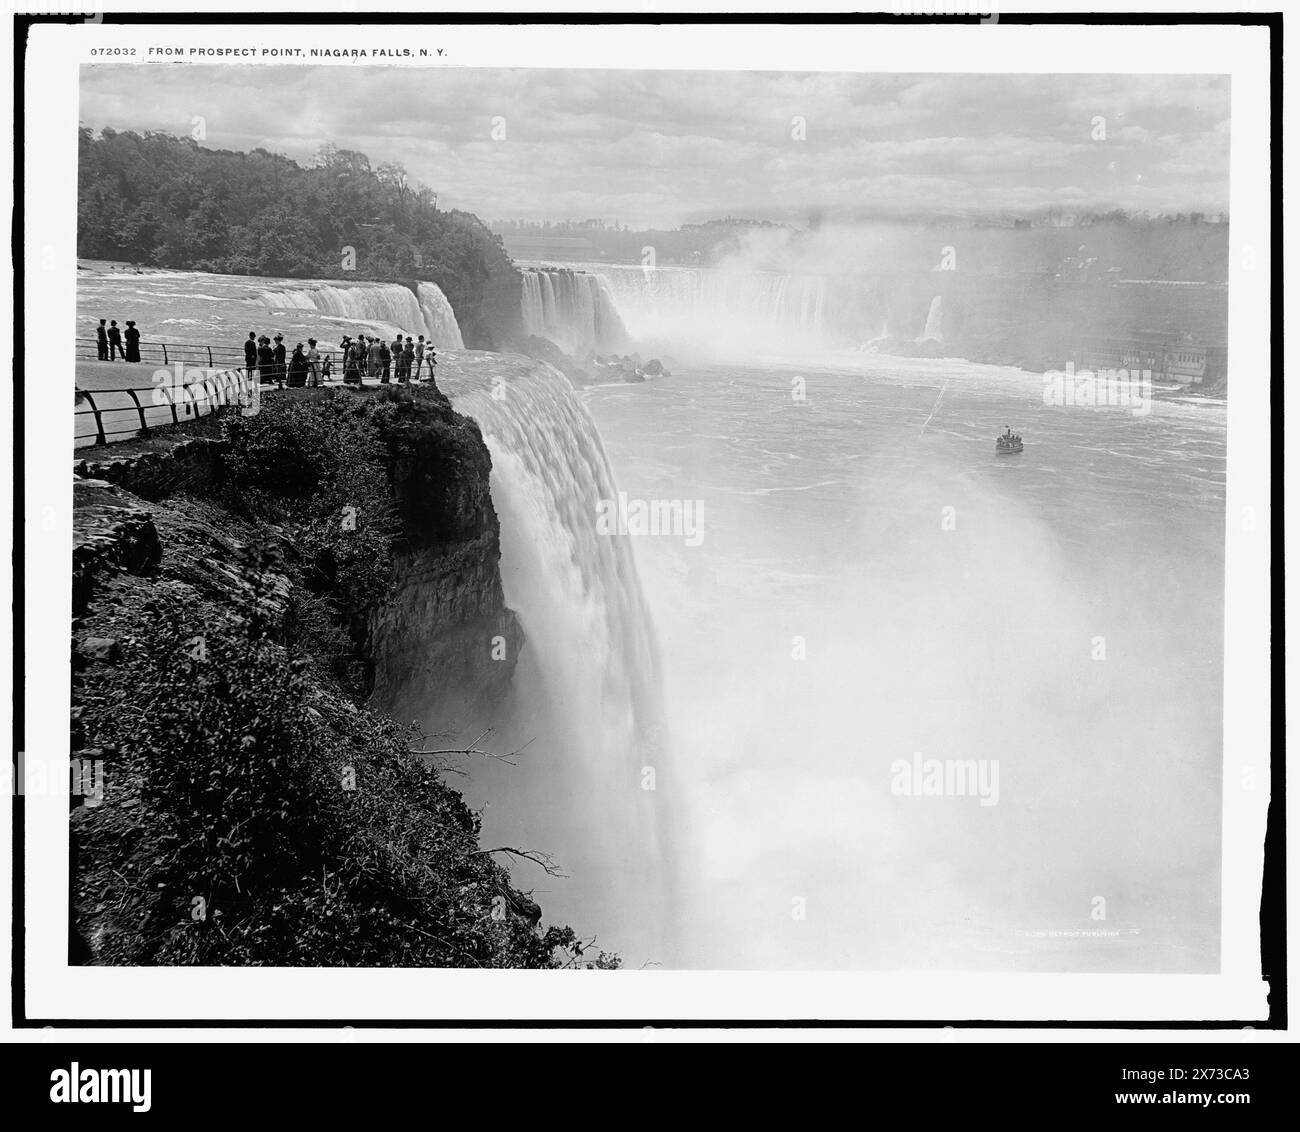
(100, 438)
(144, 426)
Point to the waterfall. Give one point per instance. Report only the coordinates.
(386, 307)
(574, 309)
(734, 311)
(933, 331)
(596, 709)
(440, 323)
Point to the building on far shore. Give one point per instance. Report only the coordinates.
(555, 249)
(1178, 359)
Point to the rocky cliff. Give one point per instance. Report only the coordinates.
(442, 645)
(253, 807)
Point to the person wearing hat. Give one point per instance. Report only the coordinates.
(265, 360)
(114, 341)
(374, 362)
(297, 368)
(408, 358)
(313, 364)
(279, 360)
(346, 347)
(357, 359)
(250, 354)
(101, 339)
(132, 337)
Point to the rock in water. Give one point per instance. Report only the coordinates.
(103, 649)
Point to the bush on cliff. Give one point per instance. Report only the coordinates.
(314, 475)
(257, 816)
(281, 825)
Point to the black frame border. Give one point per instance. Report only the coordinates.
(1272, 919)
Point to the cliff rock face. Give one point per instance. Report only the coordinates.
(444, 645)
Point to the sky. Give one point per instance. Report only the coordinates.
(660, 148)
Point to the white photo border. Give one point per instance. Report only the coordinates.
(55, 991)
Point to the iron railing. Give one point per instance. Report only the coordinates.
(169, 402)
(192, 353)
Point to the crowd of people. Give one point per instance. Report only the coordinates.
(267, 359)
(404, 360)
(112, 341)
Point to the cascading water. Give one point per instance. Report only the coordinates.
(574, 309)
(933, 331)
(441, 327)
(389, 306)
(588, 685)
(737, 311)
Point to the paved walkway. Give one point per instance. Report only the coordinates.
(108, 384)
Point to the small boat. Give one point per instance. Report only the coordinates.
(1009, 447)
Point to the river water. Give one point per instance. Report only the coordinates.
(872, 582)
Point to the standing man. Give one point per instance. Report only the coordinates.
(250, 355)
(101, 340)
(115, 341)
(374, 361)
(408, 358)
(386, 360)
(419, 357)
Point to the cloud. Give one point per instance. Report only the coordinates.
(657, 147)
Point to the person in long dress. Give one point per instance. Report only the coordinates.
(132, 336)
(297, 368)
(265, 361)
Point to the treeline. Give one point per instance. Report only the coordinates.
(164, 201)
(692, 244)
